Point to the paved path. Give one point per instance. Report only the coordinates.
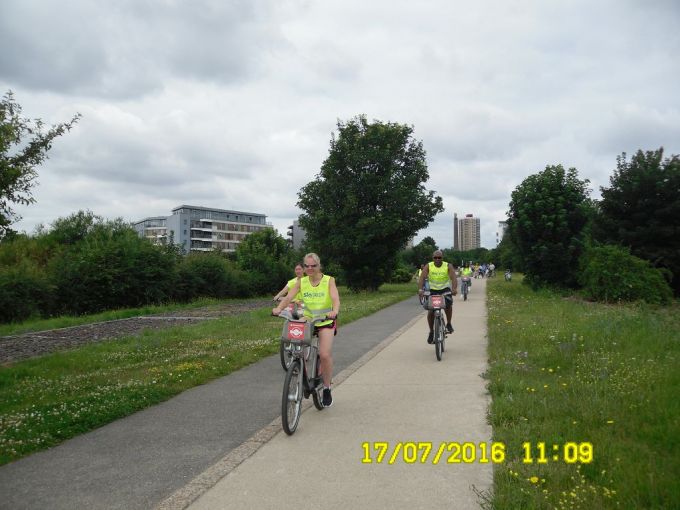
(401, 395)
(139, 461)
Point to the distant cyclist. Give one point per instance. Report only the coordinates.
(442, 278)
(299, 273)
(320, 297)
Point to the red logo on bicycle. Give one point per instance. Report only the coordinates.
(436, 301)
(295, 331)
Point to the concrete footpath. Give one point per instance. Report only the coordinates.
(401, 395)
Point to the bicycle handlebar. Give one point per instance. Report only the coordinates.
(285, 314)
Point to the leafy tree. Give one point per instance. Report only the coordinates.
(548, 213)
(74, 228)
(505, 255)
(641, 207)
(475, 255)
(420, 253)
(368, 199)
(269, 259)
(23, 147)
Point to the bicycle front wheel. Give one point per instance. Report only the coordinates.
(438, 335)
(291, 402)
(285, 354)
(443, 336)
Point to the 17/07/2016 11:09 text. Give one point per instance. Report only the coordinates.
(452, 452)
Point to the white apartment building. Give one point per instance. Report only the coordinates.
(197, 228)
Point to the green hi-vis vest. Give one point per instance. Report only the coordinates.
(317, 299)
(439, 276)
(291, 284)
(466, 271)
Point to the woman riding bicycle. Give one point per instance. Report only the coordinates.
(320, 297)
(299, 273)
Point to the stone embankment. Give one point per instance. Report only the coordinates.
(28, 345)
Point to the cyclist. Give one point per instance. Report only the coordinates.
(466, 272)
(299, 273)
(442, 278)
(320, 297)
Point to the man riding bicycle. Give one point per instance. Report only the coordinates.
(320, 297)
(442, 279)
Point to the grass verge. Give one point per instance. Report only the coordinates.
(565, 372)
(46, 400)
(66, 321)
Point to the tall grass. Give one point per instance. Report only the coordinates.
(564, 370)
(46, 400)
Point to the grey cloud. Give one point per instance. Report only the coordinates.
(130, 49)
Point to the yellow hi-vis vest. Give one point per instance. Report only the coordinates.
(438, 276)
(291, 284)
(317, 299)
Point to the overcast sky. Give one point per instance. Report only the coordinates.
(231, 104)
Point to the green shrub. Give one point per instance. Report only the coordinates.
(401, 274)
(112, 267)
(24, 292)
(210, 275)
(610, 273)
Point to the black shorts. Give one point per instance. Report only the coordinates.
(448, 299)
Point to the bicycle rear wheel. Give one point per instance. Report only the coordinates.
(285, 354)
(438, 334)
(465, 291)
(291, 402)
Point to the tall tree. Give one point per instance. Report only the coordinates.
(548, 213)
(641, 210)
(269, 259)
(23, 147)
(368, 199)
(421, 253)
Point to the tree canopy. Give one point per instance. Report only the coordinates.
(640, 210)
(23, 147)
(268, 257)
(546, 220)
(368, 199)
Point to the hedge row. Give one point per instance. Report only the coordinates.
(111, 267)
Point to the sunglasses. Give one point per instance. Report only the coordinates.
(311, 265)
(435, 258)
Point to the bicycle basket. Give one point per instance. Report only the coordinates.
(436, 302)
(296, 331)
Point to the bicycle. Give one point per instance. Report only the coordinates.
(437, 303)
(285, 348)
(302, 377)
(465, 286)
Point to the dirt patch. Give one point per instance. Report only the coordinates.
(29, 345)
